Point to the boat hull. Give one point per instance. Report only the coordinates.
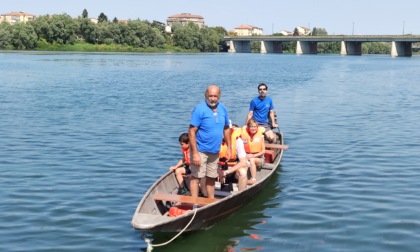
(152, 216)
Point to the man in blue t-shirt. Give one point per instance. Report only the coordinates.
(260, 109)
(209, 124)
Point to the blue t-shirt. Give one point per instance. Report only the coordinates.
(261, 109)
(210, 126)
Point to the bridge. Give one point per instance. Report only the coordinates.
(401, 45)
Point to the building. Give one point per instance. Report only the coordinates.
(184, 19)
(248, 30)
(16, 17)
(286, 33)
(302, 31)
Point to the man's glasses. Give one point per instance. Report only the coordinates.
(262, 89)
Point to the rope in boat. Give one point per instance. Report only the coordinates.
(150, 245)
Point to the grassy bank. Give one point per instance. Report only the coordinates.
(86, 47)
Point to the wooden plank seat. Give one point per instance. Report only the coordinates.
(183, 198)
(276, 146)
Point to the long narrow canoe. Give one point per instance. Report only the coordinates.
(152, 213)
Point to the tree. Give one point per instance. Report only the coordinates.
(61, 29)
(86, 30)
(5, 35)
(115, 20)
(102, 18)
(85, 14)
(187, 37)
(24, 36)
(319, 32)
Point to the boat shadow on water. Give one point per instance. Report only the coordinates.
(226, 234)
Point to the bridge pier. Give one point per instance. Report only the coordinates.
(271, 47)
(239, 46)
(401, 49)
(306, 47)
(351, 48)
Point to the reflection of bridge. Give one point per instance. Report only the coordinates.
(401, 45)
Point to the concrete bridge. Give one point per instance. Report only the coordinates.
(401, 45)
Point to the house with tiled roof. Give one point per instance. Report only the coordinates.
(185, 18)
(286, 33)
(248, 30)
(16, 17)
(302, 31)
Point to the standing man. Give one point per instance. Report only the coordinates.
(260, 108)
(209, 124)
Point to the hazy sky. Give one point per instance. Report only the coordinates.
(368, 17)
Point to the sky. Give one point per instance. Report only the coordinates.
(356, 17)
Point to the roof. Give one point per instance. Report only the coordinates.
(186, 15)
(16, 13)
(246, 27)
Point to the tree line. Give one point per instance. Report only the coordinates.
(64, 30)
(49, 30)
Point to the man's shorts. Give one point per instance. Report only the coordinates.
(208, 167)
(266, 126)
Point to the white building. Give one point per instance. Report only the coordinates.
(248, 30)
(16, 17)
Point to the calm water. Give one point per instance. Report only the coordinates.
(82, 137)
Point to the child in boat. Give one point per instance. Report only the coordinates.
(183, 166)
(253, 138)
(236, 168)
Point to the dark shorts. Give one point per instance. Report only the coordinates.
(187, 169)
(265, 126)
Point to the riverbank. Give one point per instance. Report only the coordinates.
(86, 47)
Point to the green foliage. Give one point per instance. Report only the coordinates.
(5, 36)
(59, 32)
(24, 36)
(255, 46)
(102, 18)
(329, 47)
(319, 32)
(61, 28)
(289, 47)
(376, 48)
(85, 13)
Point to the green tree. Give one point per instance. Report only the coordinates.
(86, 30)
(5, 36)
(85, 13)
(319, 32)
(187, 37)
(329, 47)
(24, 36)
(102, 18)
(61, 29)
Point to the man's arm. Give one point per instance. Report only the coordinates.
(273, 119)
(192, 135)
(227, 137)
(249, 117)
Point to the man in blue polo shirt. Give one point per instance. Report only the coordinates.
(260, 109)
(209, 124)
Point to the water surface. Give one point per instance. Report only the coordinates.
(83, 136)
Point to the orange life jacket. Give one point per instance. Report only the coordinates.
(253, 145)
(223, 149)
(186, 154)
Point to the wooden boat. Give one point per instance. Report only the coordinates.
(152, 213)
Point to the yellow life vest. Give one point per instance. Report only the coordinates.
(253, 145)
(223, 148)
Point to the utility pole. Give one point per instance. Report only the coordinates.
(403, 26)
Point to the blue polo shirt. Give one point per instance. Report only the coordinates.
(261, 109)
(210, 126)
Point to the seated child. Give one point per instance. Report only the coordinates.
(182, 167)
